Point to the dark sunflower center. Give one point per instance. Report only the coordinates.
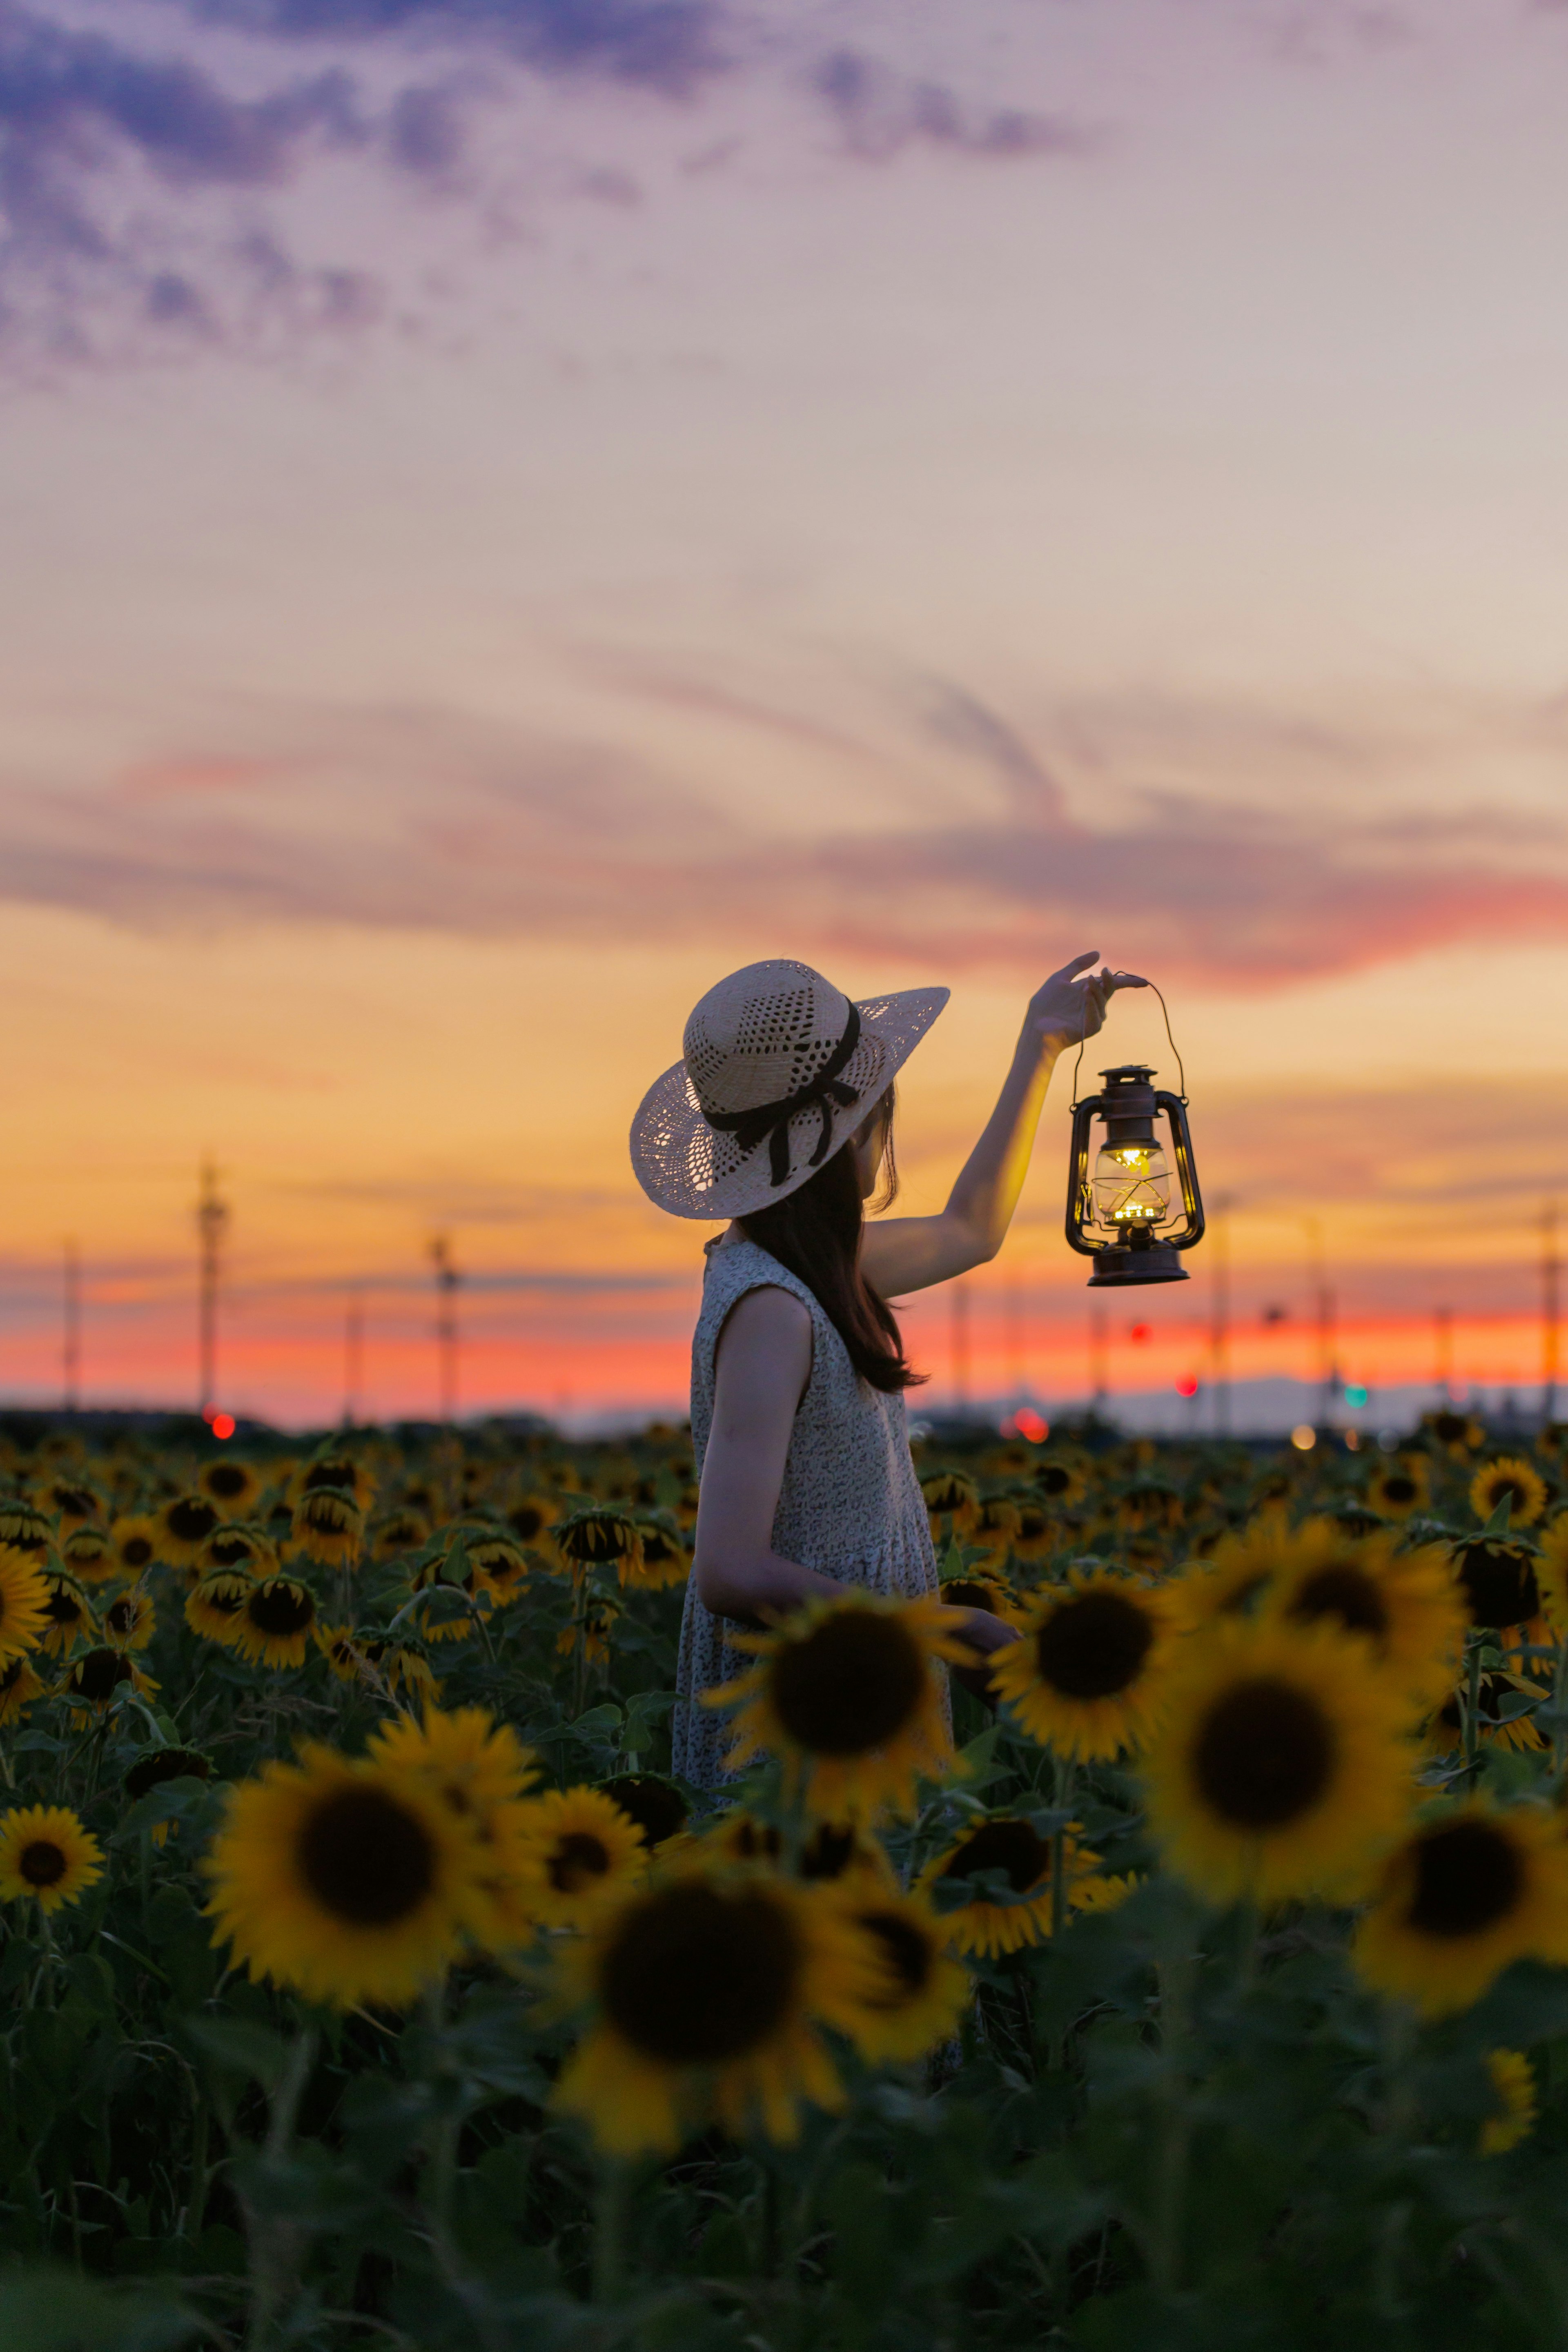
(755, 1842)
(1264, 1755)
(329, 1474)
(100, 1673)
(1010, 1846)
(1054, 1480)
(136, 1551)
(527, 1518)
(963, 1592)
(122, 1617)
(10, 1676)
(1398, 1489)
(1498, 1583)
(910, 1955)
(225, 1598)
(74, 1501)
(365, 1859)
(62, 1608)
(42, 1863)
(657, 1809)
(228, 1550)
(853, 1682)
(192, 1518)
(1468, 1876)
(280, 1608)
(226, 1480)
(1514, 1488)
(579, 1858)
(827, 1852)
(165, 1764)
(1093, 1645)
(1450, 1427)
(697, 1977)
(1345, 1591)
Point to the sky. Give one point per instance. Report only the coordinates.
(512, 508)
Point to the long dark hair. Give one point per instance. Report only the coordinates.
(816, 1232)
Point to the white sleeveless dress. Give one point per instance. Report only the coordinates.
(850, 1504)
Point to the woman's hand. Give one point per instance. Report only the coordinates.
(1068, 1007)
(979, 1631)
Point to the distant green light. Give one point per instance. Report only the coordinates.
(1355, 1396)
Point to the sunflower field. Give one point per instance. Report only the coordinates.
(1194, 1975)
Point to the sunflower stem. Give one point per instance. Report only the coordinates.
(1473, 1710)
(610, 2210)
(274, 2242)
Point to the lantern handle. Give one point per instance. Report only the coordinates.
(1164, 1014)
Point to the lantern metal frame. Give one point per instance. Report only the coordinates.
(1129, 1103)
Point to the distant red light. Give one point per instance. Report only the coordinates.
(1031, 1425)
(223, 1425)
(1142, 1331)
(1186, 1386)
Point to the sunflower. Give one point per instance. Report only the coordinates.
(272, 1623)
(1459, 1898)
(1084, 1679)
(1552, 1573)
(1103, 1892)
(25, 1529)
(1062, 1485)
(1402, 1487)
(979, 1588)
(1277, 1768)
(1511, 1477)
(952, 1500)
(69, 1502)
(530, 1518)
(88, 1555)
(654, 1804)
(1006, 1843)
(595, 1621)
(236, 1548)
(404, 1529)
(130, 1622)
(1513, 2119)
(161, 1764)
(97, 1675)
(705, 1993)
(182, 1526)
(47, 1853)
(24, 1604)
(20, 1687)
(1233, 1579)
(473, 1764)
(1445, 1731)
(1498, 1583)
(336, 1473)
(924, 1991)
(660, 1560)
(347, 1881)
(997, 1526)
(212, 1606)
(67, 1611)
(592, 1538)
(1404, 1604)
(328, 1526)
(344, 1654)
(848, 1694)
(405, 1668)
(498, 1563)
(1456, 1432)
(133, 1544)
(235, 1486)
(438, 1576)
(571, 1851)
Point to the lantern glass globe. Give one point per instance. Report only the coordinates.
(1131, 1186)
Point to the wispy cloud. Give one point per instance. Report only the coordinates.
(417, 819)
(881, 112)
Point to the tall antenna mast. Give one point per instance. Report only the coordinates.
(447, 1281)
(353, 1356)
(212, 1223)
(1551, 1272)
(70, 1349)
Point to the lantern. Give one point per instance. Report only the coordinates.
(1118, 1212)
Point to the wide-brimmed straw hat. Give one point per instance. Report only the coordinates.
(778, 1070)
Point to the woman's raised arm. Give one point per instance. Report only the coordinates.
(904, 1254)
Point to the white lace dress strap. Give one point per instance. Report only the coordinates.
(849, 1504)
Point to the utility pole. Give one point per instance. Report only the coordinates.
(70, 1352)
(1551, 1271)
(1325, 1311)
(447, 1281)
(1099, 1355)
(353, 1357)
(212, 1223)
(1017, 1387)
(1219, 1331)
(959, 1344)
(1443, 1351)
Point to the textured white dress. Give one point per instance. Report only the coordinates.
(850, 1504)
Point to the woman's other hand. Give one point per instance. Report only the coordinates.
(1069, 1005)
(979, 1631)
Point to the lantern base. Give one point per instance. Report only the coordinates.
(1119, 1266)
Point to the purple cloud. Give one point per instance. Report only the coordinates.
(881, 112)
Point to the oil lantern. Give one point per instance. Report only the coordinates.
(1118, 1211)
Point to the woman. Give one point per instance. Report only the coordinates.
(779, 1118)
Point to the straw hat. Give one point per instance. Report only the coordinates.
(778, 1070)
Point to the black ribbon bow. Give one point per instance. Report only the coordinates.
(772, 1119)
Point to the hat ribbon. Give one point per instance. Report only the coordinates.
(772, 1119)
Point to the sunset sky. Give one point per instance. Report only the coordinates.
(514, 507)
